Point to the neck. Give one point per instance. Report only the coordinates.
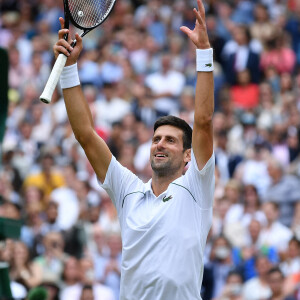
(161, 183)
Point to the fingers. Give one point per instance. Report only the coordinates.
(200, 13)
(78, 40)
(62, 22)
(62, 33)
(59, 48)
(199, 18)
(186, 30)
(201, 9)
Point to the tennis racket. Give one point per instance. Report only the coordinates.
(85, 15)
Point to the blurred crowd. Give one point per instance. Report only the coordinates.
(136, 67)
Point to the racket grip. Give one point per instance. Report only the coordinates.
(53, 78)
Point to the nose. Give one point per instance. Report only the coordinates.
(161, 144)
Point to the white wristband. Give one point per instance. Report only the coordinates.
(204, 60)
(69, 77)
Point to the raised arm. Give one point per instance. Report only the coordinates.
(204, 98)
(79, 113)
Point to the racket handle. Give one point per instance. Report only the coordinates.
(53, 78)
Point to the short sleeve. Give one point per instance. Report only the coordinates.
(201, 183)
(118, 182)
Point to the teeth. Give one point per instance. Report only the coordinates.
(160, 155)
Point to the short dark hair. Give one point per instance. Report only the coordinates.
(178, 123)
(275, 269)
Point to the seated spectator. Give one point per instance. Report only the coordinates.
(262, 28)
(21, 268)
(220, 263)
(276, 283)
(291, 262)
(70, 279)
(254, 169)
(87, 277)
(274, 234)
(244, 257)
(31, 231)
(108, 268)
(166, 85)
(278, 55)
(284, 190)
(248, 209)
(240, 53)
(50, 223)
(257, 288)
(47, 179)
(87, 293)
(66, 198)
(51, 261)
(221, 207)
(233, 287)
(244, 94)
(109, 107)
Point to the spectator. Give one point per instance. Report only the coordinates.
(278, 54)
(87, 293)
(220, 263)
(47, 179)
(247, 210)
(87, 272)
(241, 53)
(51, 261)
(262, 28)
(245, 256)
(233, 288)
(109, 108)
(66, 198)
(276, 282)
(257, 288)
(244, 94)
(284, 190)
(22, 269)
(291, 263)
(166, 86)
(108, 268)
(274, 233)
(70, 279)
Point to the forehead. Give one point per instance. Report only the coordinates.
(168, 130)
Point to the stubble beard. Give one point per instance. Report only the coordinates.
(164, 169)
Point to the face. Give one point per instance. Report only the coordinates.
(167, 156)
(262, 266)
(87, 294)
(275, 282)
(71, 269)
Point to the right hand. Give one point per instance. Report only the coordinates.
(63, 46)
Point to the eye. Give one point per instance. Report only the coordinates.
(171, 140)
(155, 140)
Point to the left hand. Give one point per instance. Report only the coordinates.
(199, 35)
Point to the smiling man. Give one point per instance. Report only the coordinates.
(164, 222)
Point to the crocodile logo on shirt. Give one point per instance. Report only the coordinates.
(165, 199)
(208, 65)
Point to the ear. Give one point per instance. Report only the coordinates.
(187, 155)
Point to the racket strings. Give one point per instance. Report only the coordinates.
(89, 13)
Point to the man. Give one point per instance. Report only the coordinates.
(164, 222)
(276, 282)
(284, 190)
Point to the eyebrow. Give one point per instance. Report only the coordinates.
(166, 136)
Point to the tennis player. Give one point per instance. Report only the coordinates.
(165, 222)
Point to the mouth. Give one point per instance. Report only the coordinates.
(160, 155)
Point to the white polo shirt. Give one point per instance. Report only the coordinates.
(163, 237)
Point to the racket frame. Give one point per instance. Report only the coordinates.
(60, 62)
